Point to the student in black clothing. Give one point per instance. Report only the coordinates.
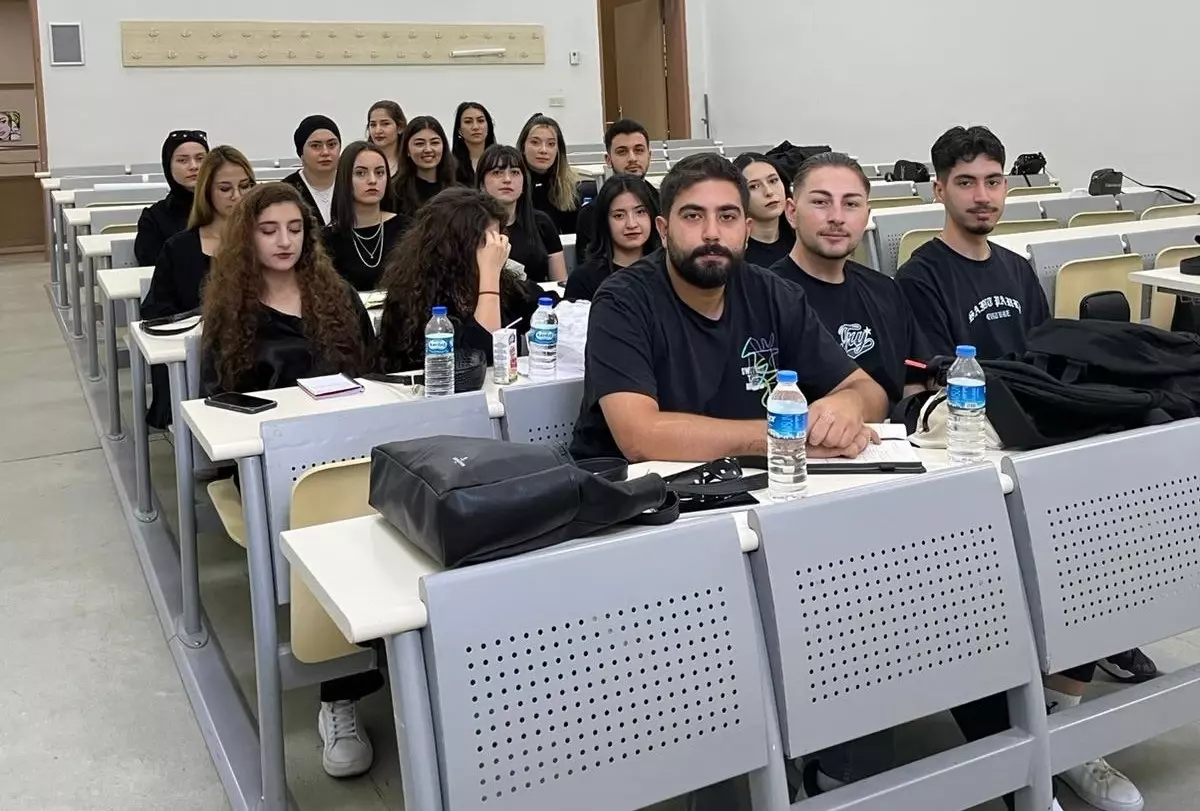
(963, 288)
(770, 237)
(361, 233)
(627, 151)
(966, 290)
(474, 132)
(627, 234)
(683, 347)
(318, 143)
(426, 165)
(557, 189)
(276, 311)
(452, 255)
(863, 309)
(184, 261)
(182, 154)
(385, 124)
(532, 238)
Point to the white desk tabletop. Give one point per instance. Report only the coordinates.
(76, 217)
(94, 245)
(1168, 279)
(63, 198)
(1020, 242)
(42, 175)
(367, 575)
(157, 349)
(119, 284)
(49, 183)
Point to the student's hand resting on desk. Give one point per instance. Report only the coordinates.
(836, 428)
(490, 257)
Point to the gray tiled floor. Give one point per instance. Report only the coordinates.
(87, 729)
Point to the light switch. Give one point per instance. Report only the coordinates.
(558, 101)
(575, 59)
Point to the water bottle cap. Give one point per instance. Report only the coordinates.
(545, 301)
(965, 351)
(439, 311)
(786, 377)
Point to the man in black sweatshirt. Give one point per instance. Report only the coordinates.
(962, 288)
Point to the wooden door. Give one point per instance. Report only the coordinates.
(637, 63)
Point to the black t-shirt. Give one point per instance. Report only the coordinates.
(869, 317)
(990, 305)
(361, 262)
(766, 254)
(533, 250)
(585, 280)
(642, 338)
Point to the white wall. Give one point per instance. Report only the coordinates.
(103, 112)
(882, 79)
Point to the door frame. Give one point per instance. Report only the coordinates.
(38, 91)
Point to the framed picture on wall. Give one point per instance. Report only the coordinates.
(10, 126)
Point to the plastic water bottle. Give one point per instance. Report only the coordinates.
(439, 354)
(967, 400)
(787, 433)
(543, 341)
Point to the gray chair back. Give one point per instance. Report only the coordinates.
(685, 143)
(1016, 181)
(874, 170)
(893, 188)
(1048, 257)
(103, 218)
(144, 168)
(1139, 201)
(1147, 244)
(76, 183)
(136, 193)
(541, 412)
(1017, 209)
(264, 163)
(605, 676)
(582, 158)
(658, 167)
(731, 151)
(122, 252)
(678, 153)
(925, 191)
(291, 446)
(65, 172)
(263, 175)
(1063, 209)
(892, 224)
(1106, 530)
(883, 605)
(573, 148)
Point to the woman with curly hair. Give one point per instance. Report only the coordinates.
(426, 165)
(276, 311)
(453, 255)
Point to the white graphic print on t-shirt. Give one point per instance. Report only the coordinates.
(1003, 306)
(760, 366)
(856, 339)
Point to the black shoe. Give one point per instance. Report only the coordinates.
(1130, 667)
(809, 776)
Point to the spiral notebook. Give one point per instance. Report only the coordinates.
(322, 388)
(893, 454)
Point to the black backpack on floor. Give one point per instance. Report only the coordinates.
(1079, 379)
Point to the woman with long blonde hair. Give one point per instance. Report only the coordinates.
(557, 189)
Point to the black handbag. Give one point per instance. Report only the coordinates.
(466, 500)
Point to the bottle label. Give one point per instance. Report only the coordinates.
(962, 395)
(439, 344)
(544, 336)
(787, 426)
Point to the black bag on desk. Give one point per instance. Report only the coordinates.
(466, 500)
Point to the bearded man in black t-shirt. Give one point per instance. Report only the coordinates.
(684, 346)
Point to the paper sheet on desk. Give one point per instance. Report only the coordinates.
(893, 447)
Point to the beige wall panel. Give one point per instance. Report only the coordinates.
(177, 43)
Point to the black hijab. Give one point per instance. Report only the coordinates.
(179, 199)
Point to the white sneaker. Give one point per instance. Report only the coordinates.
(1101, 786)
(1055, 806)
(348, 750)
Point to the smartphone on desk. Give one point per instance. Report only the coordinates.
(241, 403)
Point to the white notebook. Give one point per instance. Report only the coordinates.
(893, 449)
(320, 388)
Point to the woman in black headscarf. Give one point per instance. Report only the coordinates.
(182, 153)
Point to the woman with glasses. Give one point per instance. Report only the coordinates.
(184, 262)
(182, 153)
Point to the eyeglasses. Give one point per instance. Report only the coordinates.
(188, 135)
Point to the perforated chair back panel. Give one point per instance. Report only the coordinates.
(604, 676)
(292, 446)
(891, 226)
(1048, 257)
(1065, 208)
(1147, 244)
(893, 188)
(1106, 531)
(542, 412)
(886, 604)
(86, 182)
(137, 193)
(122, 253)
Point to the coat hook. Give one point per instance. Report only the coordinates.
(202, 55)
(347, 54)
(412, 34)
(387, 34)
(135, 54)
(247, 34)
(291, 54)
(359, 33)
(320, 54)
(374, 54)
(233, 54)
(187, 32)
(217, 34)
(262, 53)
(153, 33)
(276, 34)
(333, 34)
(172, 54)
(427, 55)
(305, 35)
